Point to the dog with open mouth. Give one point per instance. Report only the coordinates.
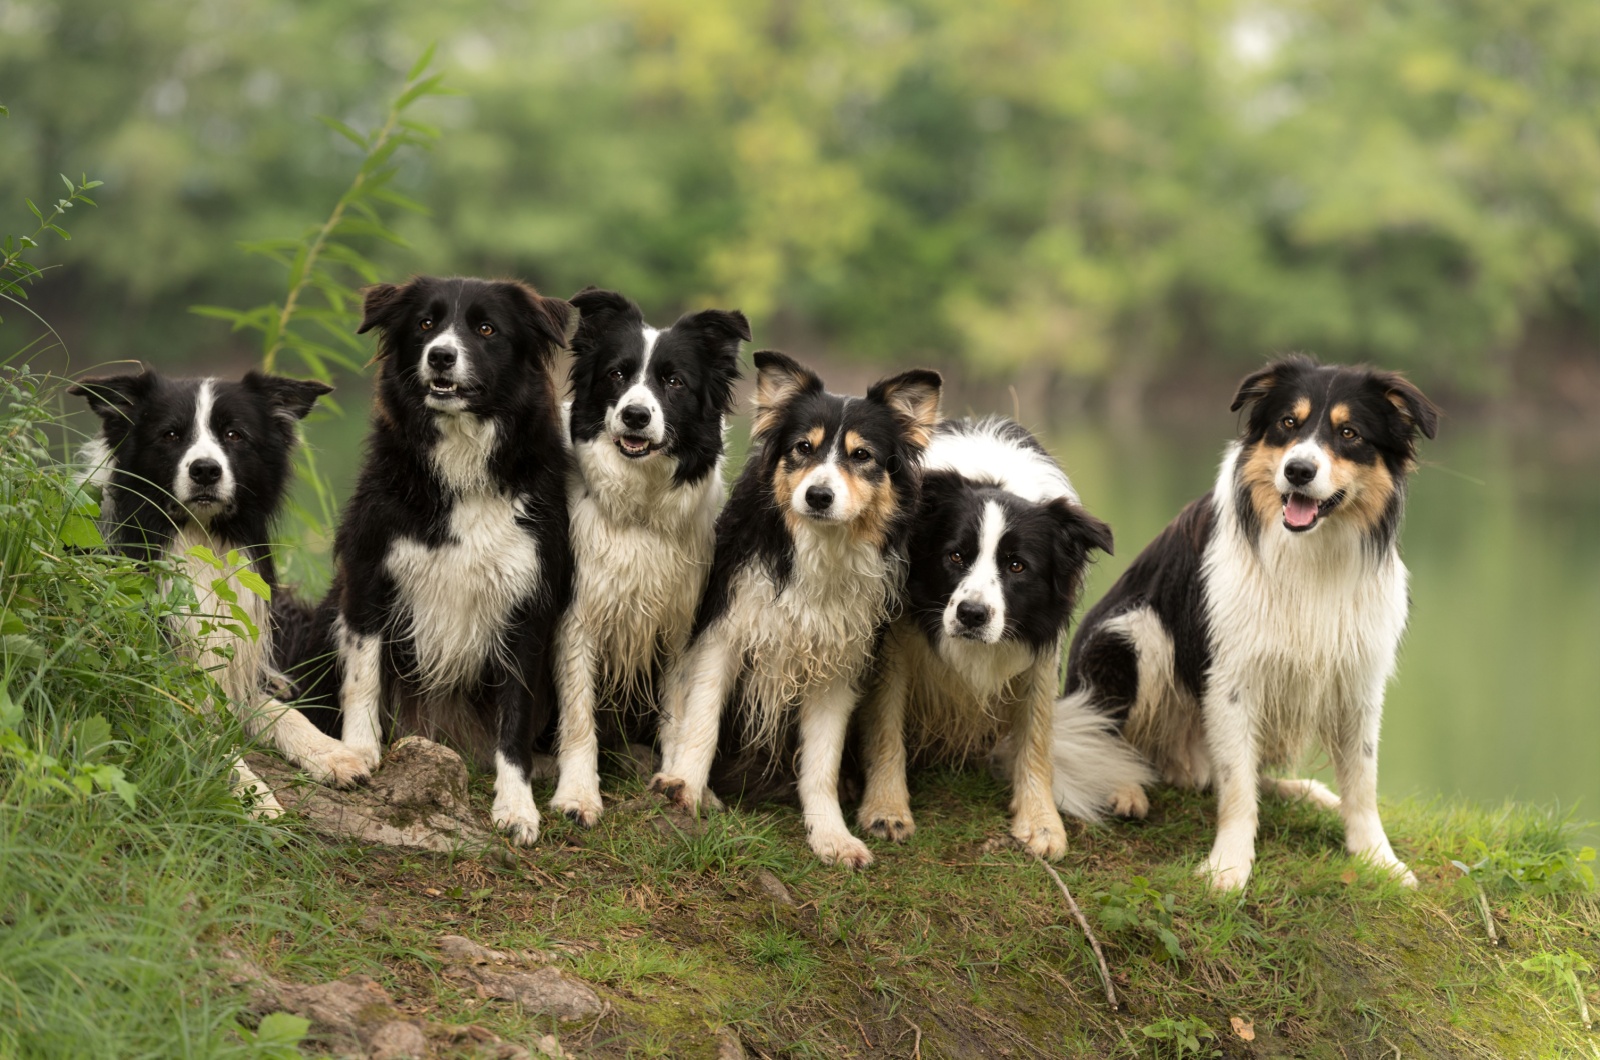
(452, 565)
(1269, 613)
(809, 568)
(646, 423)
(189, 464)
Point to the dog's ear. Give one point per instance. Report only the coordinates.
(779, 380)
(114, 397)
(289, 397)
(380, 305)
(722, 330)
(1258, 385)
(595, 302)
(553, 320)
(1077, 534)
(914, 399)
(1419, 413)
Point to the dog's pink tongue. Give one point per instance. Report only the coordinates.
(1301, 510)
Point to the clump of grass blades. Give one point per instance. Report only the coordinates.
(124, 857)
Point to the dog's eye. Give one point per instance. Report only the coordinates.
(861, 455)
(1016, 566)
(955, 557)
(426, 323)
(486, 329)
(1290, 423)
(615, 375)
(675, 382)
(232, 435)
(803, 447)
(170, 435)
(1349, 434)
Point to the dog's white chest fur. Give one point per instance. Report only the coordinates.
(456, 599)
(642, 547)
(210, 633)
(816, 628)
(1303, 627)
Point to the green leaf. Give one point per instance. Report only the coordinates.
(80, 531)
(204, 555)
(254, 582)
(344, 130)
(21, 647)
(423, 62)
(10, 624)
(280, 1033)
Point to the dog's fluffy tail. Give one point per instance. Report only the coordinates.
(1096, 771)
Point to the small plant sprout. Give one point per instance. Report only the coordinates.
(1562, 970)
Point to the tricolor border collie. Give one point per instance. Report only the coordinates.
(809, 568)
(1270, 611)
(451, 565)
(998, 555)
(647, 422)
(187, 463)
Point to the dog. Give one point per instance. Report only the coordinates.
(451, 563)
(647, 421)
(997, 559)
(808, 569)
(192, 464)
(1269, 612)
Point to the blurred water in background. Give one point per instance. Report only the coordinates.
(1498, 691)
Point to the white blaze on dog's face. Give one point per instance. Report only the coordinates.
(977, 608)
(446, 365)
(205, 481)
(636, 420)
(842, 461)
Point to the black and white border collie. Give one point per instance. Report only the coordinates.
(998, 555)
(452, 565)
(1270, 611)
(647, 422)
(809, 568)
(187, 463)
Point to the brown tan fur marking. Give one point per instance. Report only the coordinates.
(1260, 472)
(875, 503)
(1302, 409)
(1339, 415)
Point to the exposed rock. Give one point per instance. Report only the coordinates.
(397, 1040)
(417, 798)
(457, 948)
(550, 1047)
(728, 1046)
(543, 992)
(345, 1014)
(773, 888)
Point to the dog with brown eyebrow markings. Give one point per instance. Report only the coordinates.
(1269, 613)
(809, 568)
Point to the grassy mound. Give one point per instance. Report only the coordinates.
(126, 867)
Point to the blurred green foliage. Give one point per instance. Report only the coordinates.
(1062, 184)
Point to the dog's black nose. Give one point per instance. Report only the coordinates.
(971, 615)
(205, 472)
(819, 498)
(1299, 472)
(441, 359)
(636, 417)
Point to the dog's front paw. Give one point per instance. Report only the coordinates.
(1040, 834)
(1130, 801)
(1225, 871)
(369, 754)
(515, 814)
(338, 766)
(887, 819)
(840, 848)
(581, 807)
(676, 791)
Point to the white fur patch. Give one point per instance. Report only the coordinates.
(981, 453)
(204, 446)
(1093, 764)
(640, 394)
(514, 811)
(981, 584)
(461, 455)
(361, 691)
(1319, 488)
(456, 599)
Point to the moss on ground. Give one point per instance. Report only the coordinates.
(959, 945)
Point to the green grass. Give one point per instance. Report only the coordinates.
(113, 914)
